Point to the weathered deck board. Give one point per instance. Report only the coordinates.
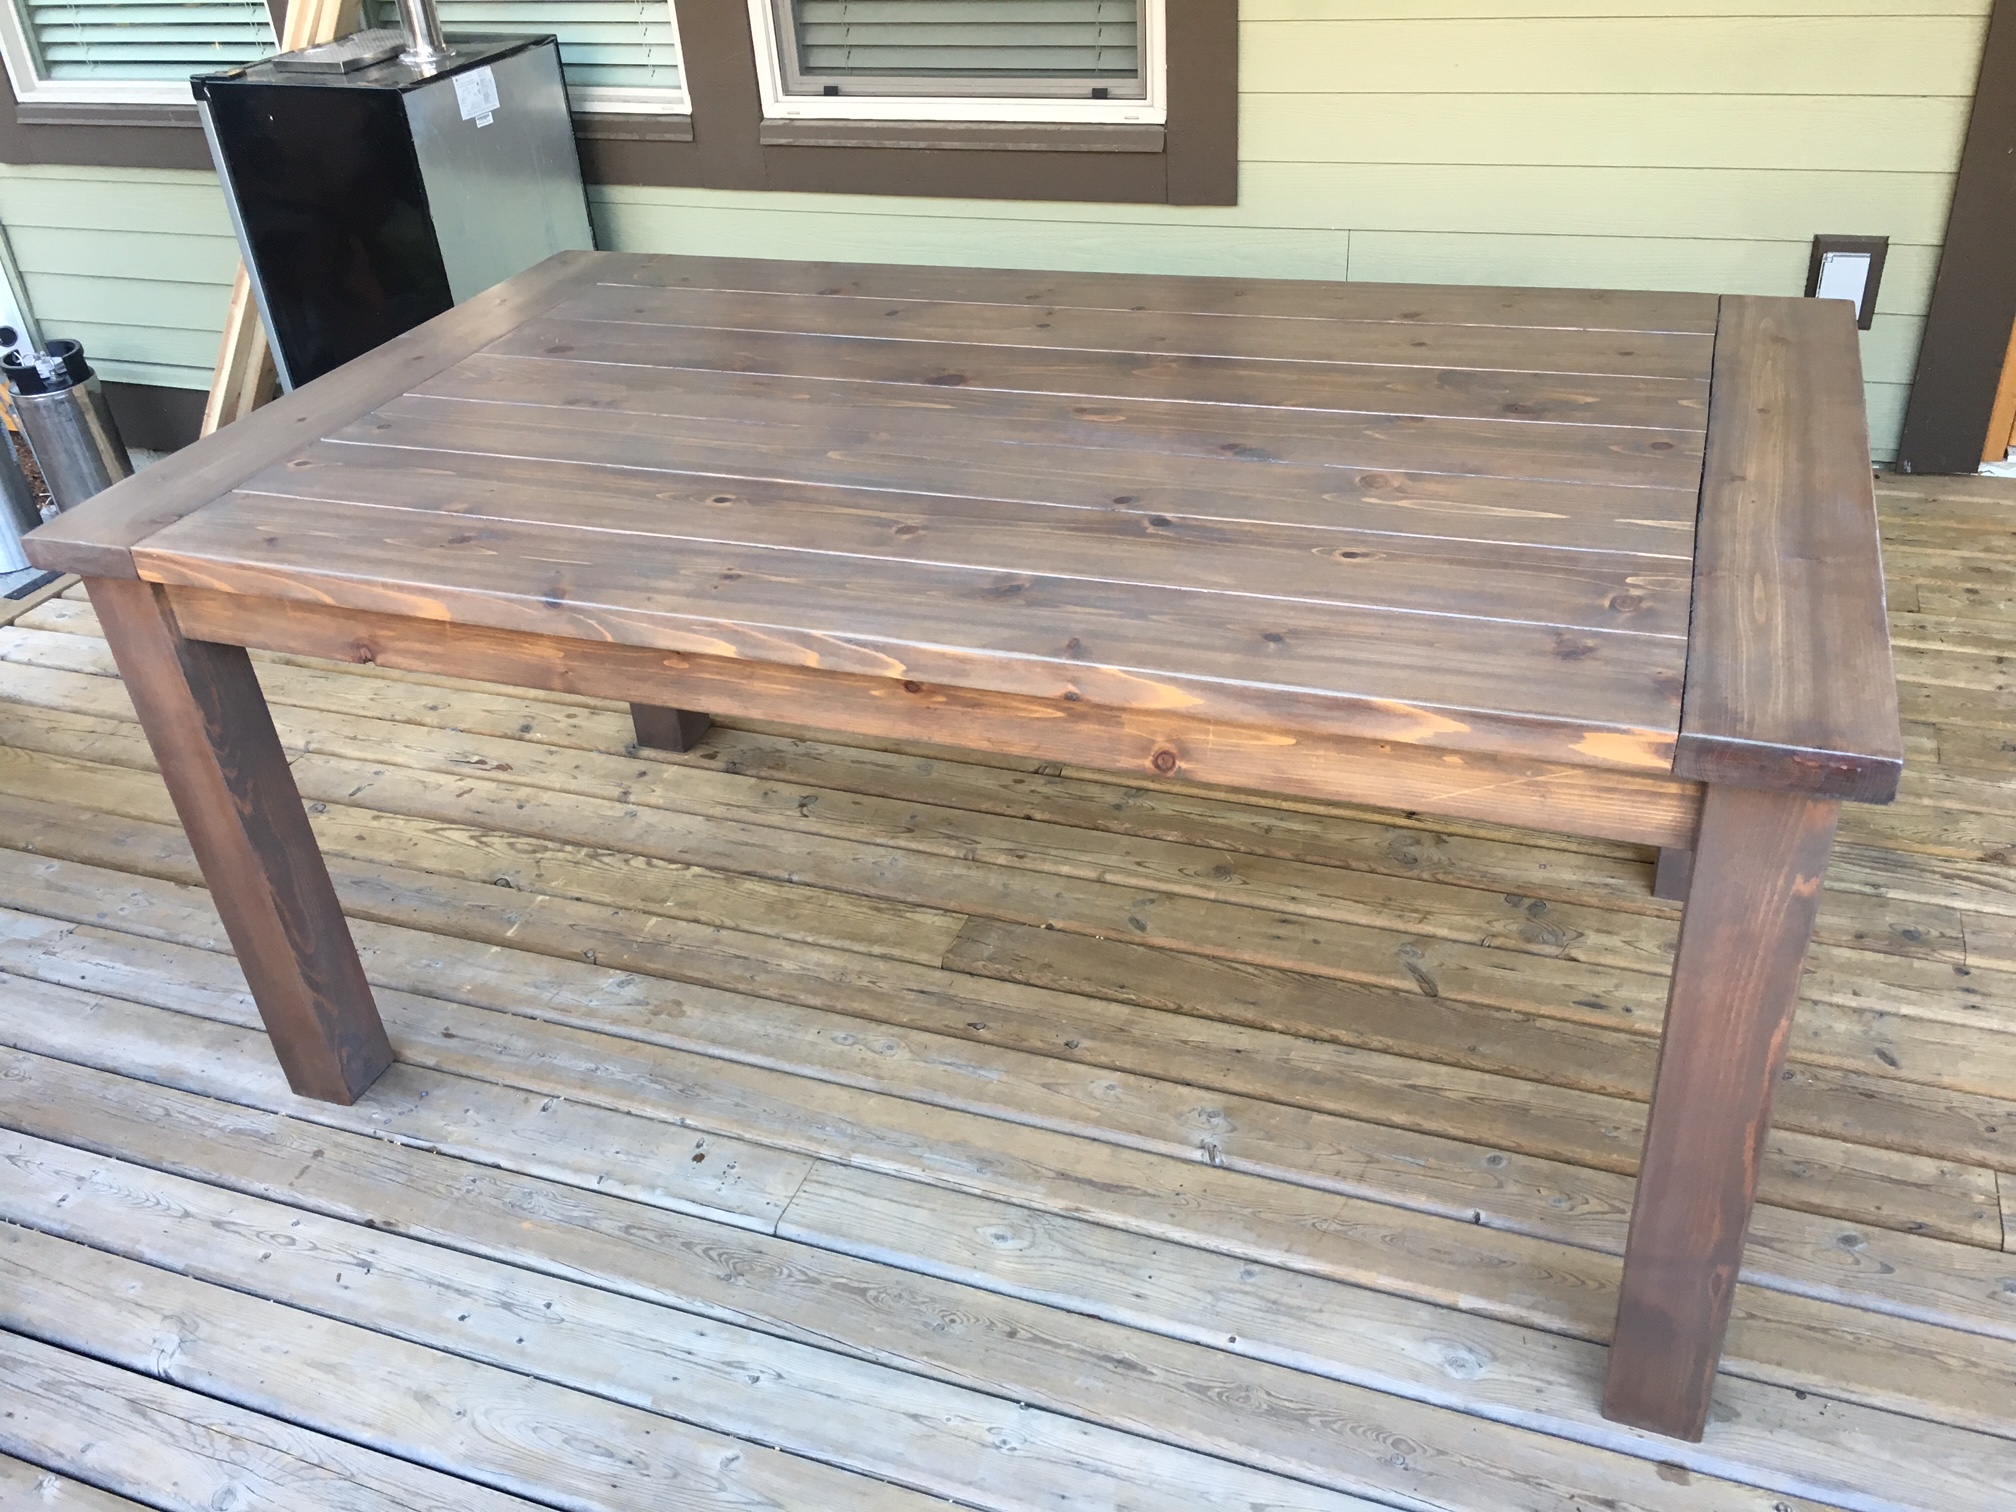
(90, 1419)
(1304, 1133)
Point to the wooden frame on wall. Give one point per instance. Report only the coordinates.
(1967, 331)
(726, 143)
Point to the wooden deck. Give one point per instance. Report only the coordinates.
(792, 1124)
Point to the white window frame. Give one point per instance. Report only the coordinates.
(18, 52)
(1151, 110)
(31, 88)
(610, 99)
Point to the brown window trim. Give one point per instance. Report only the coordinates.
(965, 136)
(726, 143)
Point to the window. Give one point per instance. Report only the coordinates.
(619, 56)
(961, 60)
(138, 51)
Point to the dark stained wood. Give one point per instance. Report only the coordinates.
(1960, 360)
(1651, 808)
(1471, 304)
(1680, 357)
(1602, 698)
(1789, 677)
(665, 729)
(207, 723)
(96, 539)
(1507, 398)
(1109, 457)
(1422, 548)
(1672, 874)
(1585, 588)
(1469, 453)
(1759, 864)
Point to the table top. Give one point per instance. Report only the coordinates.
(1461, 517)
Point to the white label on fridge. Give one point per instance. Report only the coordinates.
(476, 94)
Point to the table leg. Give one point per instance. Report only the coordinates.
(668, 729)
(1671, 876)
(213, 738)
(1758, 866)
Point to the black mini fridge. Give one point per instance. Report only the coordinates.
(369, 194)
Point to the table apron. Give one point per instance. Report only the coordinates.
(1647, 808)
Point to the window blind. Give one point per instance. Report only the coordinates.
(144, 39)
(612, 51)
(973, 39)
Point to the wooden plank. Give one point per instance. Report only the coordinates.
(1509, 399)
(1206, 873)
(12, 609)
(1306, 1131)
(1141, 332)
(1581, 587)
(1293, 1317)
(96, 539)
(1468, 460)
(207, 722)
(245, 377)
(1789, 680)
(26, 1485)
(1885, 1007)
(1901, 1275)
(1633, 805)
(133, 1434)
(499, 1428)
(813, 1402)
(1242, 1409)
(578, 722)
(436, 842)
(1795, 1344)
(1114, 884)
(1573, 309)
(1750, 904)
(1589, 696)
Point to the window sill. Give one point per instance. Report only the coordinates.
(104, 113)
(983, 136)
(596, 126)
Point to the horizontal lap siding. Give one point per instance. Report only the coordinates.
(135, 264)
(1695, 144)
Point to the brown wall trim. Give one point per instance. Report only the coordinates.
(1974, 296)
(723, 145)
(633, 128)
(158, 418)
(100, 136)
(1198, 165)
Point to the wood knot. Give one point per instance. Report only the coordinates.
(947, 380)
(1164, 761)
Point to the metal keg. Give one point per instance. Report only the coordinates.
(65, 418)
(18, 511)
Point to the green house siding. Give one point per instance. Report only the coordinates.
(1692, 144)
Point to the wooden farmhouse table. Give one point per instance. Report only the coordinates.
(1603, 563)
